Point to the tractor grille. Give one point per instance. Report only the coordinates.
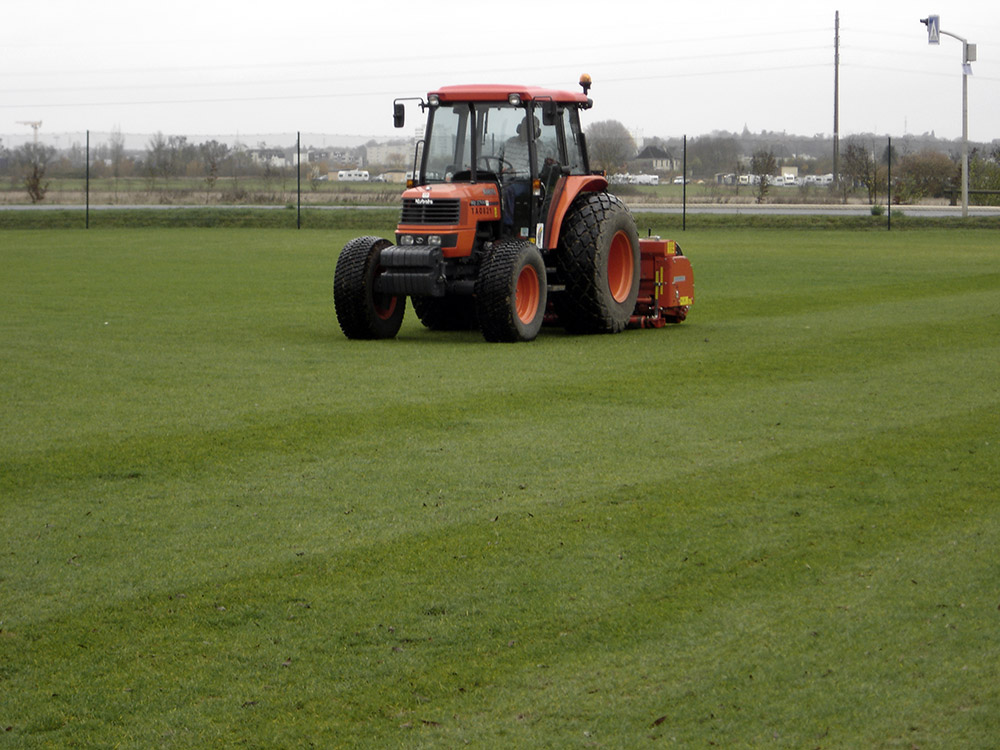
(440, 211)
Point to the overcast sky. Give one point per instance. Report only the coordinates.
(662, 68)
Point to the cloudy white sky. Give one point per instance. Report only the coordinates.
(662, 68)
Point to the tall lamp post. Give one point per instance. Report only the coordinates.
(934, 31)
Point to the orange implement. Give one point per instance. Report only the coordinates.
(666, 287)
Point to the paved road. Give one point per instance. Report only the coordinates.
(171, 207)
(730, 209)
(778, 209)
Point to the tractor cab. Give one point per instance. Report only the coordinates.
(518, 140)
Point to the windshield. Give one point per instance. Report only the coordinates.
(497, 136)
(449, 146)
(513, 143)
(503, 140)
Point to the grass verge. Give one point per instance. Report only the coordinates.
(186, 218)
(356, 218)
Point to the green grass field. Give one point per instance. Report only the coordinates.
(225, 525)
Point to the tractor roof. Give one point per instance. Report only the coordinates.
(492, 92)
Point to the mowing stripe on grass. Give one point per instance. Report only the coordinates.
(226, 524)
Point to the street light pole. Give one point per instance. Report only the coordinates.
(933, 24)
(965, 131)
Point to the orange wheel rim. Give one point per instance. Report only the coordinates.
(621, 267)
(526, 295)
(384, 305)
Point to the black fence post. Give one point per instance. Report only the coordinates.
(888, 188)
(298, 177)
(684, 188)
(87, 185)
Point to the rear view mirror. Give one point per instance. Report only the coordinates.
(549, 113)
(398, 114)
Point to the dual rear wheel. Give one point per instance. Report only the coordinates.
(598, 260)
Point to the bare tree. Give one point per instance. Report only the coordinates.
(610, 145)
(860, 165)
(157, 158)
(179, 154)
(212, 154)
(268, 170)
(984, 174)
(116, 148)
(116, 153)
(926, 174)
(763, 165)
(34, 160)
(239, 159)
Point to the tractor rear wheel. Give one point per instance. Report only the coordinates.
(598, 259)
(511, 292)
(362, 312)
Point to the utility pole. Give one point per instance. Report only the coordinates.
(836, 96)
(934, 31)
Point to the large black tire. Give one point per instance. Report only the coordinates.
(361, 312)
(452, 313)
(511, 292)
(598, 260)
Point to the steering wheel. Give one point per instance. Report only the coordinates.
(502, 164)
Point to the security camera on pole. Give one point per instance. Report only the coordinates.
(934, 31)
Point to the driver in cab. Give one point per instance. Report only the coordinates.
(517, 167)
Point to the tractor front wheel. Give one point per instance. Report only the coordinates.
(362, 312)
(598, 258)
(511, 292)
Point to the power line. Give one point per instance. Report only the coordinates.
(395, 62)
(386, 93)
(354, 77)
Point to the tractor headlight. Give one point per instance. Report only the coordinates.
(427, 240)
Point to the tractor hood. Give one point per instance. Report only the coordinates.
(447, 214)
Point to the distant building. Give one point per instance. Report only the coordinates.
(656, 159)
(390, 154)
(268, 157)
(332, 156)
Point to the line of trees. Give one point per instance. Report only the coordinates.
(920, 168)
(32, 166)
(924, 174)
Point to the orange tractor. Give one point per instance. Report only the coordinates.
(504, 227)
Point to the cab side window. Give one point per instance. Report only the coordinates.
(570, 121)
(547, 145)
